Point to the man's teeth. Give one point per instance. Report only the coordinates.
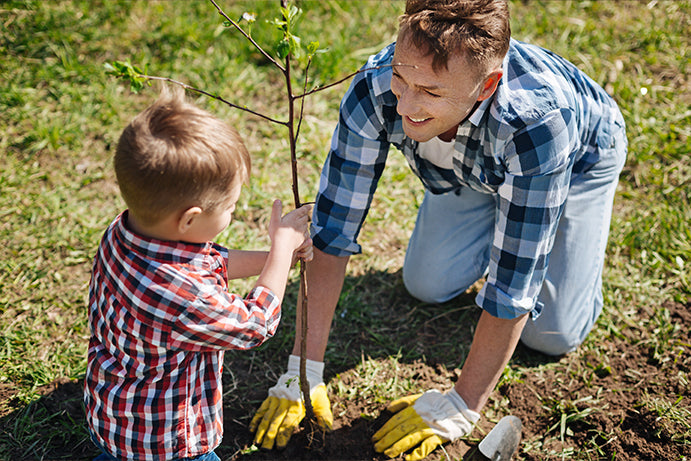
(417, 120)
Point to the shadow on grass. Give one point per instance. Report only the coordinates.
(52, 427)
(376, 318)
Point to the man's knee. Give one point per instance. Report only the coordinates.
(557, 338)
(432, 287)
(419, 287)
(551, 343)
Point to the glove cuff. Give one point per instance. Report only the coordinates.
(461, 406)
(314, 370)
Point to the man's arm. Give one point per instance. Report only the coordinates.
(493, 344)
(354, 165)
(325, 275)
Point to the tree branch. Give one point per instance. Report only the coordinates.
(248, 37)
(213, 96)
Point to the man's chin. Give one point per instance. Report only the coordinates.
(417, 136)
(420, 134)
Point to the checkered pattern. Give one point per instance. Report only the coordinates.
(161, 315)
(544, 126)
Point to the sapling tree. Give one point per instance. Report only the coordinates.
(288, 48)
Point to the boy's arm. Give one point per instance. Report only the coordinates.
(275, 273)
(243, 263)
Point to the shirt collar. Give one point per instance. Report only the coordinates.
(164, 251)
(476, 117)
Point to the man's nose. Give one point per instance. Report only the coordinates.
(407, 102)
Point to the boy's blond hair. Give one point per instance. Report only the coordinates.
(175, 155)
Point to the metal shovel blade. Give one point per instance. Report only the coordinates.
(502, 441)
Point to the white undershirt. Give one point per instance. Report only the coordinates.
(438, 152)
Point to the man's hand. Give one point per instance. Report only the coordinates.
(428, 419)
(305, 251)
(281, 413)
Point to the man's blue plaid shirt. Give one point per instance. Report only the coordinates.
(544, 125)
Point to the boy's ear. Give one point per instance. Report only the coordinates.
(490, 84)
(187, 218)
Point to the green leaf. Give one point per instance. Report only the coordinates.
(126, 71)
(283, 48)
(290, 17)
(312, 48)
(294, 45)
(294, 15)
(281, 24)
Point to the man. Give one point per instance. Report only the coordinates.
(520, 155)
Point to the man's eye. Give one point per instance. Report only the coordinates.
(434, 95)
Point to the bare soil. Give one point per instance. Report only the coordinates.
(614, 416)
(616, 420)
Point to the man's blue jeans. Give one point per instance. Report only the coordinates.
(449, 250)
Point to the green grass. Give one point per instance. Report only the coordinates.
(62, 117)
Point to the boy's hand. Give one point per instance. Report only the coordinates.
(291, 230)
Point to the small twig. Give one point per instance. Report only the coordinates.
(304, 384)
(352, 74)
(292, 138)
(291, 133)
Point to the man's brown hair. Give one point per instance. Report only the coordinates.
(175, 155)
(477, 29)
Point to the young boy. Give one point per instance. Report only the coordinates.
(159, 308)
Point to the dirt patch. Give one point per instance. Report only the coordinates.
(353, 428)
(615, 420)
(612, 409)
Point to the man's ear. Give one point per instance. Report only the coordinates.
(187, 218)
(490, 84)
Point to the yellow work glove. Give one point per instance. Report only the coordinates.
(427, 420)
(280, 414)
